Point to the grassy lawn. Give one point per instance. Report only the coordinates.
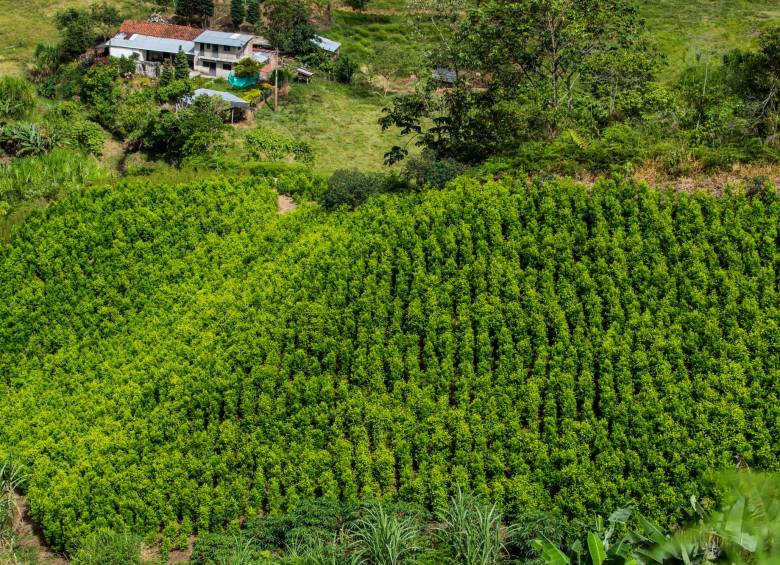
(26, 23)
(340, 122)
(685, 28)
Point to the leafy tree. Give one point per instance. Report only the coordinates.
(288, 25)
(531, 58)
(194, 10)
(357, 4)
(106, 18)
(247, 68)
(174, 91)
(100, 91)
(181, 134)
(76, 29)
(237, 12)
(344, 69)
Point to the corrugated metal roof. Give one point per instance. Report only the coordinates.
(234, 100)
(147, 43)
(443, 74)
(224, 38)
(326, 44)
(261, 57)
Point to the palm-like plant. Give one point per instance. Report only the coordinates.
(24, 140)
(382, 538)
(471, 532)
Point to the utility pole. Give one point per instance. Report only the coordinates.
(276, 82)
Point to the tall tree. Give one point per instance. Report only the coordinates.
(77, 31)
(237, 12)
(288, 26)
(195, 10)
(253, 12)
(181, 65)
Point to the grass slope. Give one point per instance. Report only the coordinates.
(25, 24)
(340, 122)
(685, 29)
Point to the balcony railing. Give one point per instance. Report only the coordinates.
(219, 56)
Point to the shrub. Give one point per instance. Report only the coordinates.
(247, 68)
(106, 547)
(350, 188)
(17, 98)
(25, 139)
(428, 171)
(270, 145)
(343, 69)
(619, 144)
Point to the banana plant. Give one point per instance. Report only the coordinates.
(600, 548)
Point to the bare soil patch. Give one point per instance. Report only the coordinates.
(286, 204)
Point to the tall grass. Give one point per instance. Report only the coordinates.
(471, 532)
(17, 98)
(382, 538)
(47, 176)
(11, 479)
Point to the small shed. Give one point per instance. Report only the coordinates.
(237, 105)
(304, 74)
(326, 44)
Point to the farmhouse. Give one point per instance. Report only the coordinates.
(210, 53)
(216, 52)
(151, 44)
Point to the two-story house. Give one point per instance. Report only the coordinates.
(217, 52)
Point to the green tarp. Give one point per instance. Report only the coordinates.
(242, 82)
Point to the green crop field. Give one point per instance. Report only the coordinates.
(237, 336)
(179, 357)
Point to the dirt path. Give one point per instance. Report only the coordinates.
(30, 537)
(286, 204)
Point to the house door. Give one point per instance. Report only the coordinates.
(215, 50)
(212, 69)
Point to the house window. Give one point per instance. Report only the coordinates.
(227, 49)
(227, 66)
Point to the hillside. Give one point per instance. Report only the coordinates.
(182, 358)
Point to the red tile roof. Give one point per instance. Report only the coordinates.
(168, 31)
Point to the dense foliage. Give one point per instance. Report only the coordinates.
(566, 85)
(182, 358)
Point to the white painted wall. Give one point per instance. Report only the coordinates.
(125, 52)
